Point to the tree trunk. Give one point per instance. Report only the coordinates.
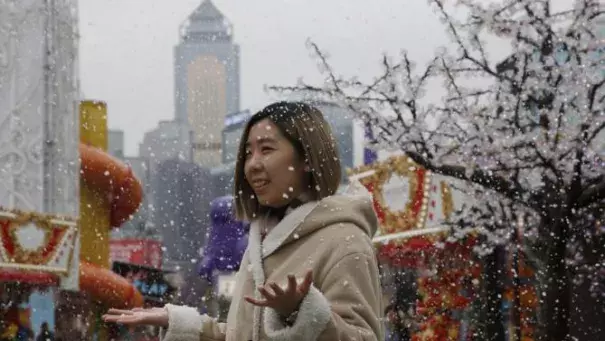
(494, 271)
(556, 299)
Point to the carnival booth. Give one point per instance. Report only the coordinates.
(432, 280)
(58, 199)
(36, 257)
(40, 254)
(224, 251)
(39, 165)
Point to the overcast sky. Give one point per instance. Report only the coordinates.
(126, 47)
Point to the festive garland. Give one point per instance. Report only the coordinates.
(414, 213)
(447, 283)
(409, 217)
(441, 290)
(448, 200)
(55, 229)
(18, 215)
(442, 294)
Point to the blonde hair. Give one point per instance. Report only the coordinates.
(307, 130)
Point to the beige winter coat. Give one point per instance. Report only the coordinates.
(332, 237)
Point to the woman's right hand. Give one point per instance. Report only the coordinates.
(138, 316)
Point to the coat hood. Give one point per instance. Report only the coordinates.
(353, 206)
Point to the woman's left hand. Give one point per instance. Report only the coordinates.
(285, 302)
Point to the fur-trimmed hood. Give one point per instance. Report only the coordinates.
(308, 218)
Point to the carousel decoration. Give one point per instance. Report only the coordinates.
(413, 205)
(34, 241)
(423, 200)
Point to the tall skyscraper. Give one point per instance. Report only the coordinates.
(206, 71)
(170, 140)
(182, 200)
(115, 143)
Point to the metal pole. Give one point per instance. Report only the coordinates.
(48, 171)
(13, 69)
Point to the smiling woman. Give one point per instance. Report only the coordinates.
(286, 176)
(289, 151)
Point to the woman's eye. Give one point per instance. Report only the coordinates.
(266, 150)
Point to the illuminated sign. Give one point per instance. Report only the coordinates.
(150, 282)
(237, 118)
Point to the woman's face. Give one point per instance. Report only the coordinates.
(273, 167)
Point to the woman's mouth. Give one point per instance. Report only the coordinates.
(259, 185)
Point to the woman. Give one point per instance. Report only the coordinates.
(286, 176)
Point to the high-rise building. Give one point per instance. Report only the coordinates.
(115, 143)
(231, 134)
(222, 175)
(182, 203)
(170, 140)
(207, 84)
(341, 120)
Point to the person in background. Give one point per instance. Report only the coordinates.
(45, 333)
(309, 271)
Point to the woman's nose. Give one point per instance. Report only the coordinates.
(255, 162)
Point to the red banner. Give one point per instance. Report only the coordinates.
(137, 251)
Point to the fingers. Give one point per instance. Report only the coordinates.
(276, 289)
(307, 282)
(131, 320)
(113, 311)
(269, 296)
(124, 319)
(256, 302)
(291, 284)
(111, 318)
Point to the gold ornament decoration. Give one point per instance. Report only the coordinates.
(35, 241)
(447, 206)
(410, 215)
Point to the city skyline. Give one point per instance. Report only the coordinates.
(126, 53)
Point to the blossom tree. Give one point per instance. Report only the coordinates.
(525, 130)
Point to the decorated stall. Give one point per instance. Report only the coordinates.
(37, 253)
(439, 277)
(432, 280)
(58, 198)
(39, 165)
(42, 253)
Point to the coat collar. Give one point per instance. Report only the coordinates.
(280, 232)
(258, 250)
